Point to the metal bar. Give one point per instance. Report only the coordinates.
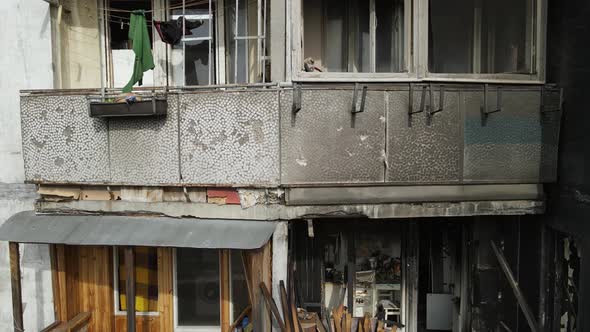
(193, 17)
(183, 43)
(130, 288)
(526, 309)
(17, 303)
(209, 65)
(249, 37)
(189, 39)
(236, 21)
(258, 41)
(263, 56)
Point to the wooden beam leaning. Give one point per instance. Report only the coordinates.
(287, 314)
(526, 309)
(130, 287)
(272, 306)
(17, 302)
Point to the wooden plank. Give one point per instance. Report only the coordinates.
(224, 303)
(348, 322)
(287, 315)
(17, 302)
(293, 309)
(272, 306)
(245, 312)
(260, 270)
(165, 289)
(55, 283)
(61, 295)
(248, 274)
(526, 309)
(354, 325)
(130, 287)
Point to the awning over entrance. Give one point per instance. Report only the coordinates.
(27, 227)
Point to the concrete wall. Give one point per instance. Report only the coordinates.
(77, 55)
(568, 65)
(25, 62)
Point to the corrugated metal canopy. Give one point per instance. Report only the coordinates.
(27, 227)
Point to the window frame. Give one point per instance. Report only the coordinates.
(175, 297)
(119, 312)
(538, 67)
(297, 55)
(417, 50)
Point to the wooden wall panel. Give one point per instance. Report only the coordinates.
(259, 265)
(87, 273)
(142, 323)
(165, 289)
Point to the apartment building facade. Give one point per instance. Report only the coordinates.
(384, 156)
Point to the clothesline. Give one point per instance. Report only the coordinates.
(186, 5)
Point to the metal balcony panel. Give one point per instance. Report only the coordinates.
(325, 143)
(230, 138)
(61, 143)
(550, 125)
(423, 150)
(144, 151)
(506, 147)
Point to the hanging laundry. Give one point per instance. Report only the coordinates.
(144, 61)
(171, 31)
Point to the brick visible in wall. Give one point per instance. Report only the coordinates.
(223, 196)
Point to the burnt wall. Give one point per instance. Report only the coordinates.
(568, 54)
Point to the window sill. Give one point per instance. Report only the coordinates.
(486, 78)
(354, 77)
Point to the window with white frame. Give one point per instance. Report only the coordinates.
(198, 285)
(482, 36)
(224, 41)
(354, 36)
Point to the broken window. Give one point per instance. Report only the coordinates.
(146, 280)
(354, 36)
(481, 36)
(220, 46)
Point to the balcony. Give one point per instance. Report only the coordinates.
(303, 136)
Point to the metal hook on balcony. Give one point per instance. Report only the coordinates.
(355, 107)
(441, 102)
(296, 107)
(485, 113)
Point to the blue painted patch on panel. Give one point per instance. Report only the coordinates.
(511, 130)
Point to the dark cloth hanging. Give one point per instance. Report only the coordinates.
(171, 31)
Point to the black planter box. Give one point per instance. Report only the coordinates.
(155, 107)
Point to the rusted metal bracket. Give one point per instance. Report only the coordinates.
(526, 309)
(356, 108)
(485, 113)
(296, 107)
(432, 110)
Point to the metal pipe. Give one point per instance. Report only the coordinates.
(210, 41)
(236, 21)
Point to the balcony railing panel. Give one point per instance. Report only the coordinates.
(326, 142)
(252, 137)
(424, 148)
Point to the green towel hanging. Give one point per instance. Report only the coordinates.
(139, 35)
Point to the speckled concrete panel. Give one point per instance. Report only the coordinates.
(508, 147)
(61, 143)
(144, 151)
(325, 143)
(230, 138)
(422, 151)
